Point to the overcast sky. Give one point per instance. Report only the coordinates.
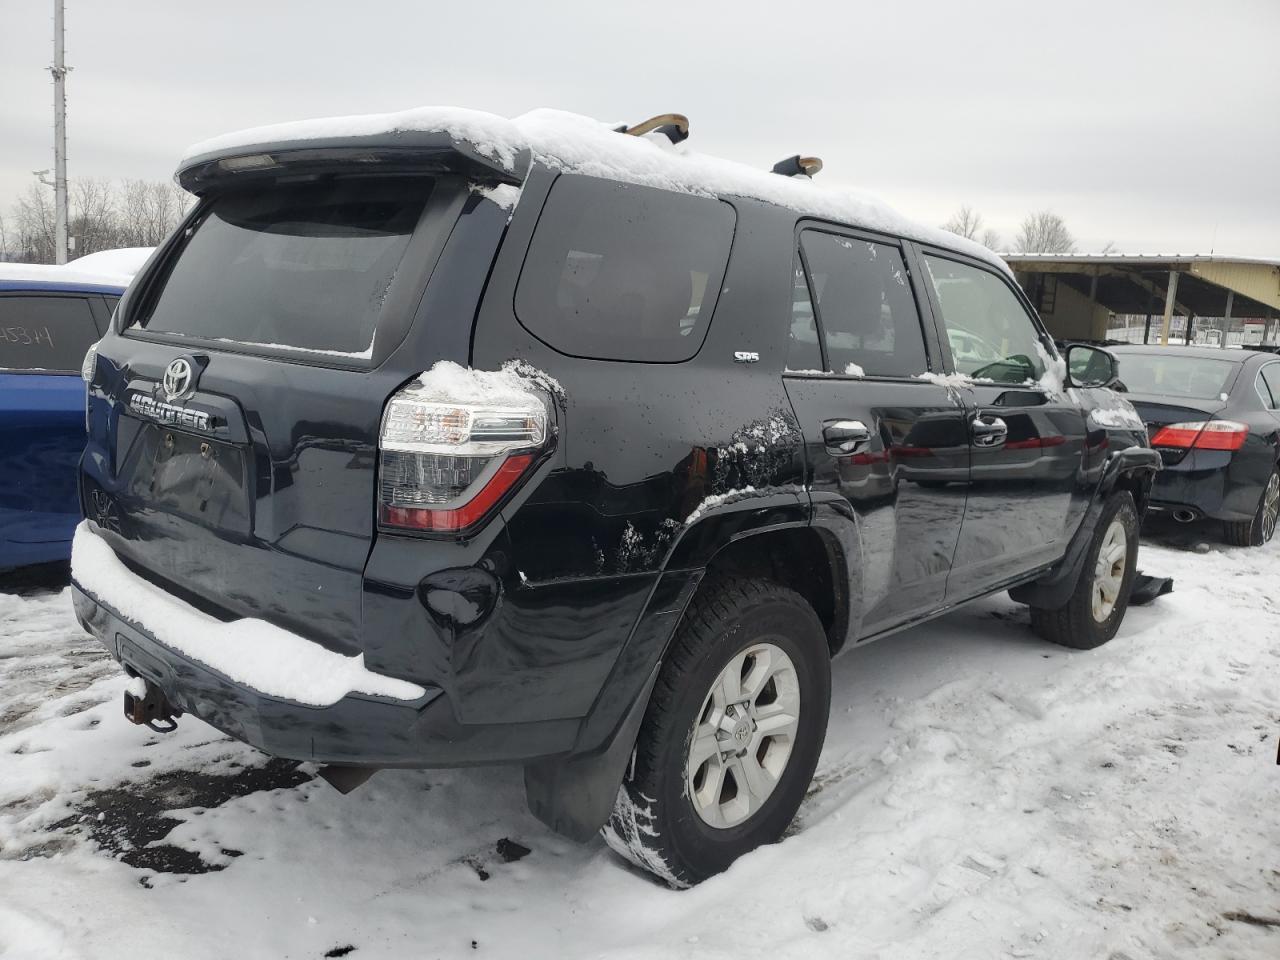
(1151, 123)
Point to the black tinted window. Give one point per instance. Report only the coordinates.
(869, 320)
(44, 333)
(621, 272)
(304, 266)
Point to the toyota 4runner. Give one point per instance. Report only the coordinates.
(438, 439)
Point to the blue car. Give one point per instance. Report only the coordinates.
(46, 326)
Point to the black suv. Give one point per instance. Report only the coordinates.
(411, 450)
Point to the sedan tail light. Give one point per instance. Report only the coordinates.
(1202, 435)
(446, 467)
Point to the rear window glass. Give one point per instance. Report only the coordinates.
(621, 272)
(1174, 376)
(305, 266)
(45, 333)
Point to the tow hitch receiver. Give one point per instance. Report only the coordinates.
(146, 704)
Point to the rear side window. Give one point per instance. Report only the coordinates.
(990, 333)
(306, 266)
(45, 333)
(622, 272)
(867, 313)
(1269, 388)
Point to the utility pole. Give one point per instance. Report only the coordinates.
(59, 71)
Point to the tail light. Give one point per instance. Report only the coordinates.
(1202, 435)
(445, 467)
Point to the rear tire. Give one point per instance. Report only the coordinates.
(1259, 530)
(1096, 607)
(731, 735)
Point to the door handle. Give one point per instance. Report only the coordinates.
(988, 430)
(843, 437)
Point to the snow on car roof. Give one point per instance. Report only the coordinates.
(107, 268)
(577, 144)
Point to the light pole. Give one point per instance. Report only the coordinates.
(59, 71)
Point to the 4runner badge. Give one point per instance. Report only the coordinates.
(171, 413)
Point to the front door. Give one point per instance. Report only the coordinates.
(1027, 434)
(883, 445)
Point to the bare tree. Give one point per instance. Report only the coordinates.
(1109, 248)
(104, 215)
(1044, 232)
(968, 223)
(965, 222)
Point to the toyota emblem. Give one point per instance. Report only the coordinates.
(178, 377)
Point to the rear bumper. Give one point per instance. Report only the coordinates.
(1210, 484)
(358, 729)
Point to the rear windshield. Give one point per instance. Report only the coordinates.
(1174, 376)
(303, 266)
(45, 333)
(622, 272)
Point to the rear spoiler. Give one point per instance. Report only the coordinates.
(397, 152)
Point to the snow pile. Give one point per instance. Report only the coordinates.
(853, 370)
(1113, 410)
(577, 144)
(716, 500)
(109, 268)
(449, 382)
(262, 656)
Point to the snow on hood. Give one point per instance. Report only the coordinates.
(260, 655)
(573, 143)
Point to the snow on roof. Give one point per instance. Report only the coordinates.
(110, 268)
(574, 143)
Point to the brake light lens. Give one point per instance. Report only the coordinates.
(89, 365)
(445, 467)
(1202, 435)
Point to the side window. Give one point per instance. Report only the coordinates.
(622, 272)
(1269, 388)
(989, 332)
(866, 310)
(45, 333)
(803, 352)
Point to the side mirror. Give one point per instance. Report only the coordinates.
(1091, 367)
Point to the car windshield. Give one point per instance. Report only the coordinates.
(1174, 376)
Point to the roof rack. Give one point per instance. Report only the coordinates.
(798, 166)
(673, 126)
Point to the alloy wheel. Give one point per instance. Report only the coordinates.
(1108, 571)
(1270, 507)
(744, 736)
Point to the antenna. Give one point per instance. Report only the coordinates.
(59, 71)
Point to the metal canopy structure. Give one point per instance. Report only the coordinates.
(1076, 294)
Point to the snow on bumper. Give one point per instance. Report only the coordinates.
(263, 657)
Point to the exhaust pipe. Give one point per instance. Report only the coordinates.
(1183, 515)
(146, 704)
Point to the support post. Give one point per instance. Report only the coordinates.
(59, 72)
(1226, 319)
(1170, 294)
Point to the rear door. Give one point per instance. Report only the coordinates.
(286, 317)
(43, 339)
(884, 446)
(1027, 435)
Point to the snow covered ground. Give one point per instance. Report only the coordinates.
(982, 794)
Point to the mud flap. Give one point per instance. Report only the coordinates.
(1145, 589)
(574, 795)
